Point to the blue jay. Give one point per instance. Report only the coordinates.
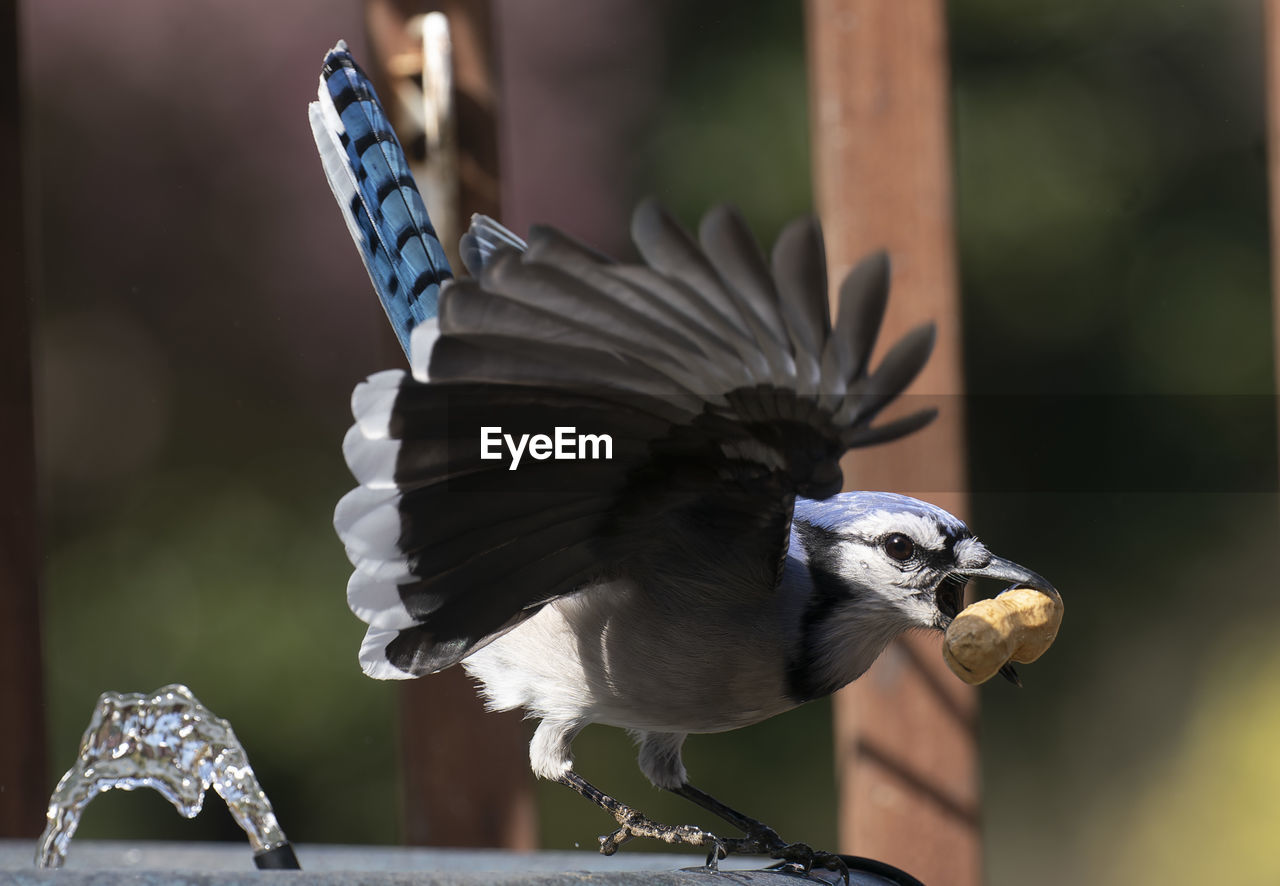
(704, 572)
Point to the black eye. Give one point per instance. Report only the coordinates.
(899, 547)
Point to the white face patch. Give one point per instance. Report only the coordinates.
(971, 554)
(865, 566)
(919, 528)
(902, 593)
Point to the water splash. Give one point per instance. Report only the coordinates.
(172, 743)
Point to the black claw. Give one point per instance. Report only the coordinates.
(718, 851)
(835, 863)
(800, 858)
(610, 843)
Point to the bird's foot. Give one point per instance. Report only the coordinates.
(760, 839)
(632, 824)
(795, 857)
(801, 858)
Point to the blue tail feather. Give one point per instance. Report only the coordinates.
(375, 190)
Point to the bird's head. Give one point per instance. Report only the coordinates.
(882, 564)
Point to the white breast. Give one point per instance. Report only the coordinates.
(672, 660)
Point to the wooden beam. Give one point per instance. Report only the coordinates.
(465, 772)
(24, 789)
(905, 732)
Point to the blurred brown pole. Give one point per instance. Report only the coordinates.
(24, 791)
(578, 80)
(1271, 13)
(905, 733)
(465, 772)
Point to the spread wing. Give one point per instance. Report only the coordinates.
(715, 375)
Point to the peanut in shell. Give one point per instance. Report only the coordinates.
(1017, 625)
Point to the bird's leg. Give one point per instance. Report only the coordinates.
(764, 840)
(632, 823)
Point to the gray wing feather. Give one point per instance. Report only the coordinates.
(736, 257)
(669, 250)
(864, 293)
(870, 394)
(483, 240)
(800, 272)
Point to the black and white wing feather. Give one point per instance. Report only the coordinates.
(715, 374)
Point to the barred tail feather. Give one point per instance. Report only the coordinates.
(370, 178)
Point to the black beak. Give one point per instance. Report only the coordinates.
(1010, 673)
(950, 593)
(1006, 570)
(1001, 570)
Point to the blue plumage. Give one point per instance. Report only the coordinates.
(840, 510)
(371, 181)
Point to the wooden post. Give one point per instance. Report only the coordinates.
(1271, 15)
(580, 82)
(905, 732)
(578, 79)
(24, 789)
(465, 772)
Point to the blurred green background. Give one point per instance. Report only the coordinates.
(203, 317)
